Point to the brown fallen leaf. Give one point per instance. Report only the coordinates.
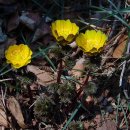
(43, 30)
(108, 125)
(108, 69)
(128, 2)
(5, 45)
(13, 22)
(14, 107)
(7, 9)
(34, 86)
(75, 52)
(34, 15)
(78, 69)
(7, 1)
(3, 36)
(3, 117)
(30, 23)
(118, 52)
(46, 39)
(98, 120)
(73, 45)
(86, 125)
(43, 78)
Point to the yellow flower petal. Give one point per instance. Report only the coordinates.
(54, 32)
(91, 42)
(64, 31)
(75, 29)
(70, 38)
(18, 55)
(66, 28)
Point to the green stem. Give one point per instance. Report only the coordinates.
(48, 59)
(125, 117)
(72, 116)
(5, 72)
(3, 67)
(42, 50)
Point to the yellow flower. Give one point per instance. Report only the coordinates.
(64, 31)
(18, 55)
(92, 42)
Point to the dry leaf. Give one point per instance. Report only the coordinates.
(78, 69)
(34, 86)
(30, 19)
(73, 45)
(13, 22)
(7, 9)
(108, 125)
(128, 2)
(86, 125)
(2, 128)
(5, 45)
(3, 117)
(43, 78)
(46, 39)
(3, 37)
(98, 120)
(75, 52)
(118, 52)
(34, 16)
(43, 30)
(30, 23)
(14, 107)
(7, 1)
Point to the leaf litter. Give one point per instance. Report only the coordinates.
(63, 88)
